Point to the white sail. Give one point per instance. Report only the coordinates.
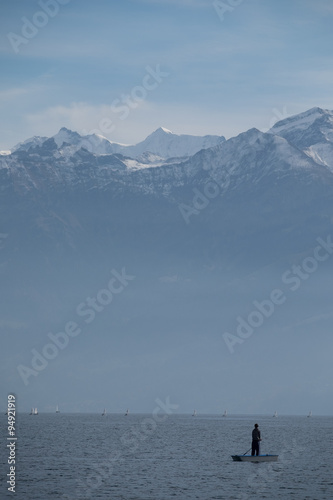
(35, 411)
(57, 409)
(104, 412)
(275, 414)
(310, 414)
(194, 413)
(225, 413)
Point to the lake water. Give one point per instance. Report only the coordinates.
(84, 456)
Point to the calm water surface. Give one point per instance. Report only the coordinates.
(69, 456)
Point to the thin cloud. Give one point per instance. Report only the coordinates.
(12, 325)
(180, 118)
(322, 6)
(10, 94)
(310, 320)
(185, 3)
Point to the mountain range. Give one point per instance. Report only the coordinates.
(206, 225)
(162, 142)
(259, 182)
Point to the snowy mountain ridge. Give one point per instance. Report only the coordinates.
(301, 121)
(312, 132)
(161, 142)
(297, 146)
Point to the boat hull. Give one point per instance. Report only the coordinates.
(259, 458)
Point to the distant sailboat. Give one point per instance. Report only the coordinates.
(104, 412)
(57, 409)
(225, 413)
(310, 414)
(275, 414)
(126, 413)
(194, 413)
(32, 411)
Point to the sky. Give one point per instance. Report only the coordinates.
(123, 69)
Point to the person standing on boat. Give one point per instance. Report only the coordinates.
(256, 438)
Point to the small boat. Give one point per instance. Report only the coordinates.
(275, 414)
(32, 411)
(57, 409)
(126, 412)
(225, 414)
(35, 411)
(258, 458)
(310, 414)
(104, 412)
(194, 413)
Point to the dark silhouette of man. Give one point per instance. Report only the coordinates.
(256, 438)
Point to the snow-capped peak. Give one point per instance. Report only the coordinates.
(67, 136)
(160, 132)
(301, 121)
(28, 143)
(312, 132)
(167, 144)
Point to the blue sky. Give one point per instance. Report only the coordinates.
(260, 61)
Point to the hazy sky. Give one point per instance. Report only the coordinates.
(192, 66)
